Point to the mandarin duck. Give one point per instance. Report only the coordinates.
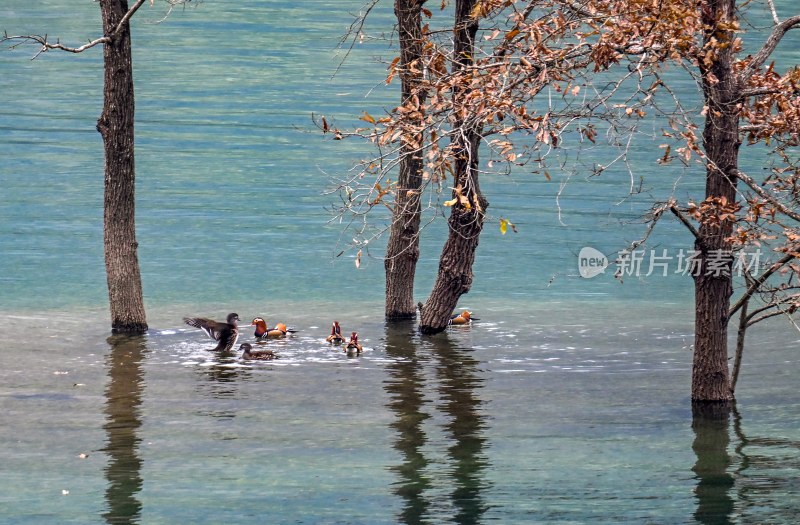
(336, 334)
(464, 317)
(352, 345)
(262, 332)
(259, 355)
(225, 333)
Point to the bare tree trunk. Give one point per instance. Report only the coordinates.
(713, 289)
(402, 251)
(116, 127)
(466, 220)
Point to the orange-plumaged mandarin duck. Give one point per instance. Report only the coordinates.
(463, 318)
(262, 332)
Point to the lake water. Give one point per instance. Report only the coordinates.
(567, 402)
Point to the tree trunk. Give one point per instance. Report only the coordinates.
(402, 252)
(116, 127)
(713, 289)
(466, 220)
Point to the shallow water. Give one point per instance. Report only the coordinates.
(554, 423)
(566, 402)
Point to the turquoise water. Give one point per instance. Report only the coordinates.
(567, 402)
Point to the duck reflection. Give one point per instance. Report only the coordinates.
(222, 384)
(123, 399)
(454, 384)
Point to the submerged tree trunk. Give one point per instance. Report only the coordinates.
(713, 280)
(454, 278)
(116, 127)
(402, 251)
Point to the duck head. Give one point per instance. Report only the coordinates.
(233, 319)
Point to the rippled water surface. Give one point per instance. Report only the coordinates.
(566, 402)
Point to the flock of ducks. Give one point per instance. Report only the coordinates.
(226, 333)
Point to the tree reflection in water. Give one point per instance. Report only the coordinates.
(123, 399)
(454, 383)
(710, 424)
(459, 382)
(753, 482)
(407, 401)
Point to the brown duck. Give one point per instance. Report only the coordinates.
(262, 355)
(225, 333)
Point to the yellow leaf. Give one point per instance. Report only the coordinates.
(450, 202)
(367, 118)
(503, 226)
(479, 11)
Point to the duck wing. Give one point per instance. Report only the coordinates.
(227, 339)
(212, 329)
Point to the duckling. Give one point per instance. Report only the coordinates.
(225, 333)
(260, 355)
(336, 334)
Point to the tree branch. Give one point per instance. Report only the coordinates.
(778, 31)
(766, 195)
(105, 39)
(761, 280)
(779, 311)
(681, 217)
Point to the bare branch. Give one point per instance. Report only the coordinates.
(354, 31)
(761, 279)
(46, 45)
(779, 310)
(684, 220)
(771, 4)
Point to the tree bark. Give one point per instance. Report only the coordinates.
(454, 278)
(116, 127)
(713, 289)
(402, 251)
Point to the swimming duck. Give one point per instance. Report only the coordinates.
(259, 355)
(352, 345)
(225, 333)
(464, 317)
(336, 334)
(262, 332)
